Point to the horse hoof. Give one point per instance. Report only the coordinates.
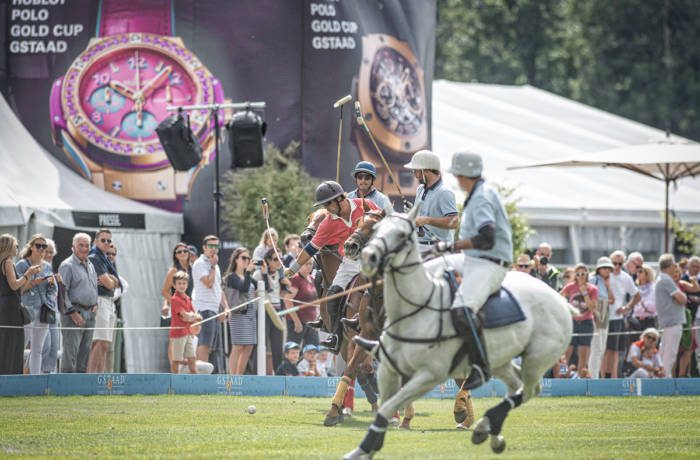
(481, 431)
(498, 444)
(460, 416)
(331, 421)
(358, 454)
(405, 424)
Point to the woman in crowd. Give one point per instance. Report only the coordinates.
(39, 292)
(645, 309)
(272, 273)
(49, 355)
(11, 339)
(239, 288)
(268, 240)
(181, 262)
(583, 296)
(303, 289)
(687, 344)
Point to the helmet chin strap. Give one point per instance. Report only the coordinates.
(422, 174)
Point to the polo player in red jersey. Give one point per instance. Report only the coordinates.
(344, 214)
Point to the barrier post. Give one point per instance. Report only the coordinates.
(262, 340)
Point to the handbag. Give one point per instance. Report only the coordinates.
(26, 314)
(47, 315)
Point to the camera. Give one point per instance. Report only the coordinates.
(258, 263)
(544, 260)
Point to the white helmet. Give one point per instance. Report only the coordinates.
(424, 159)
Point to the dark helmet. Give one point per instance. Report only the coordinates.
(365, 167)
(327, 191)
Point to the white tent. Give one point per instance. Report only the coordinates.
(582, 212)
(38, 194)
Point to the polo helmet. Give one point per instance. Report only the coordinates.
(327, 191)
(365, 167)
(424, 159)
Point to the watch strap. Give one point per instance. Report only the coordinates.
(135, 16)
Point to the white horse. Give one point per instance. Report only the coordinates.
(419, 342)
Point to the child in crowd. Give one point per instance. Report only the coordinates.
(308, 366)
(324, 360)
(289, 363)
(183, 314)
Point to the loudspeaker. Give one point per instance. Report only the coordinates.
(246, 131)
(178, 141)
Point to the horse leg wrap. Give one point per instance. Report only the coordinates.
(340, 391)
(349, 400)
(374, 439)
(497, 414)
(366, 384)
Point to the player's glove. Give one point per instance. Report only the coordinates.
(443, 246)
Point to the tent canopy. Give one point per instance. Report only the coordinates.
(519, 125)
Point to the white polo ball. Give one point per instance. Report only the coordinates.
(251, 409)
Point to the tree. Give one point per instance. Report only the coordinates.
(520, 229)
(287, 187)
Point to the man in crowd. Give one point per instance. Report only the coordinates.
(692, 276)
(670, 307)
(80, 281)
(485, 239)
(106, 315)
(634, 263)
(207, 294)
(364, 175)
(437, 217)
(118, 293)
(623, 288)
(292, 248)
(544, 270)
(344, 214)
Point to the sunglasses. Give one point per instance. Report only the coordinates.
(362, 176)
(111, 254)
(244, 257)
(581, 274)
(105, 240)
(617, 264)
(212, 246)
(181, 251)
(40, 246)
(523, 266)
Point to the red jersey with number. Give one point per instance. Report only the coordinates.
(178, 304)
(335, 230)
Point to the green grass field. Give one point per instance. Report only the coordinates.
(286, 427)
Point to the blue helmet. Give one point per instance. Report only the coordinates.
(365, 167)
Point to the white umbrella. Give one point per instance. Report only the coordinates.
(665, 161)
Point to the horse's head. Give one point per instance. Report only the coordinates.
(312, 222)
(362, 233)
(393, 236)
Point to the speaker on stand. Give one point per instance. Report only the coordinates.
(246, 131)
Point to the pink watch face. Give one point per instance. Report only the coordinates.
(125, 94)
(117, 92)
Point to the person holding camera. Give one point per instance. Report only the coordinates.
(544, 270)
(239, 288)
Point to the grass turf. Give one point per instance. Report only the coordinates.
(286, 427)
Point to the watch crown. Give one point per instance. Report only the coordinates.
(116, 186)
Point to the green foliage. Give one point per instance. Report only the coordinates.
(216, 426)
(521, 231)
(686, 239)
(288, 189)
(635, 58)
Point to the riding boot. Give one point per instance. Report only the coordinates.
(317, 324)
(367, 344)
(466, 325)
(334, 341)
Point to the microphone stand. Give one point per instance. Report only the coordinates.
(214, 109)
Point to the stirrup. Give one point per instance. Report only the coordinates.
(351, 323)
(367, 344)
(316, 324)
(332, 343)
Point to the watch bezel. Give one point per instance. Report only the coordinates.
(141, 155)
(403, 144)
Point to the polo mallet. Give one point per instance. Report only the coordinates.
(340, 103)
(361, 122)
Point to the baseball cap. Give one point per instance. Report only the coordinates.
(290, 345)
(604, 262)
(193, 250)
(309, 347)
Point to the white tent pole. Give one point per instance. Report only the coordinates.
(666, 218)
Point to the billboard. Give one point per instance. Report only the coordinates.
(92, 79)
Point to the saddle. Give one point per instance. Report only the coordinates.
(501, 308)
